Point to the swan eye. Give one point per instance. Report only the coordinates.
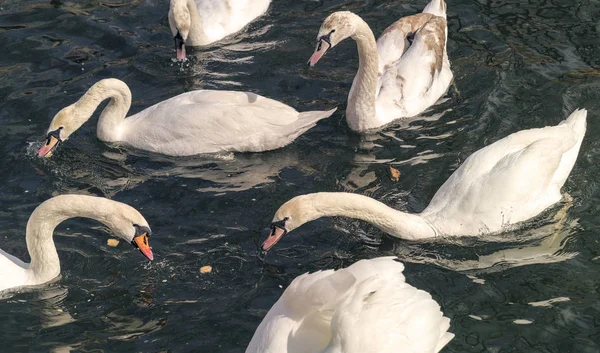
(280, 224)
(139, 230)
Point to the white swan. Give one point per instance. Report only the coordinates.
(201, 22)
(507, 182)
(124, 221)
(365, 308)
(195, 122)
(403, 73)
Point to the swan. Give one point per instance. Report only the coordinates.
(367, 307)
(201, 22)
(124, 221)
(203, 121)
(510, 181)
(406, 71)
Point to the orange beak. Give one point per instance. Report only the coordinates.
(48, 148)
(141, 242)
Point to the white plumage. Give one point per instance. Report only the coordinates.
(508, 182)
(122, 219)
(201, 22)
(191, 123)
(406, 71)
(365, 308)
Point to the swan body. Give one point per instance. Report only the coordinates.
(365, 308)
(401, 74)
(123, 220)
(510, 181)
(201, 22)
(191, 123)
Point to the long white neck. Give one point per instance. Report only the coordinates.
(45, 264)
(399, 224)
(361, 113)
(110, 124)
(185, 15)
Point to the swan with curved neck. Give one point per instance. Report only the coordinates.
(367, 307)
(508, 182)
(203, 121)
(201, 22)
(401, 74)
(123, 220)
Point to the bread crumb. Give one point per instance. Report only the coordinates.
(112, 242)
(205, 269)
(395, 174)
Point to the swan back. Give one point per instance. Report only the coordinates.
(367, 307)
(207, 121)
(509, 181)
(12, 271)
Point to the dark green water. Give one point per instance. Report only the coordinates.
(517, 65)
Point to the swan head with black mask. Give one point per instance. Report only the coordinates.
(335, 28)
(180, 21)
(290, 216)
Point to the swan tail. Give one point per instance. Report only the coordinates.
(445, 336)
(436, 7)
(577, 121)
(309, 119)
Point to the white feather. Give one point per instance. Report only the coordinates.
(367, 307)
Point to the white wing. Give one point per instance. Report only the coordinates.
(510, 180)
(367, 307)
(12, 271)
(413, 66)
(208, 121)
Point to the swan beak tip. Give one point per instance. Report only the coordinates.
(181, 56)
(47, 150)
(180, 47)
(141, 242)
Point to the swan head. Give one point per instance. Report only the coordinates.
(288, 217)
(336, 27)
(128, 224)
(64, 123)
(180, 23)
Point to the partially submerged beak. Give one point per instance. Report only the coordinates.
(180, 47)
(141, 242)
(322, 47)
(276, 234)
(51, 143)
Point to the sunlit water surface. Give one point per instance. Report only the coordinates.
(517, 65)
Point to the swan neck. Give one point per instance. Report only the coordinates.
(111, 119)
(183, 10)
(45, 264)
(399, 224)
(197, 35)
(362, 98)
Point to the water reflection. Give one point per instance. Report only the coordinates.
(541, 242)
(113, 172)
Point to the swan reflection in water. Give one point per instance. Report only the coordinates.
(542, 243)
(50, 304)
(364, 179)
(111, 172)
